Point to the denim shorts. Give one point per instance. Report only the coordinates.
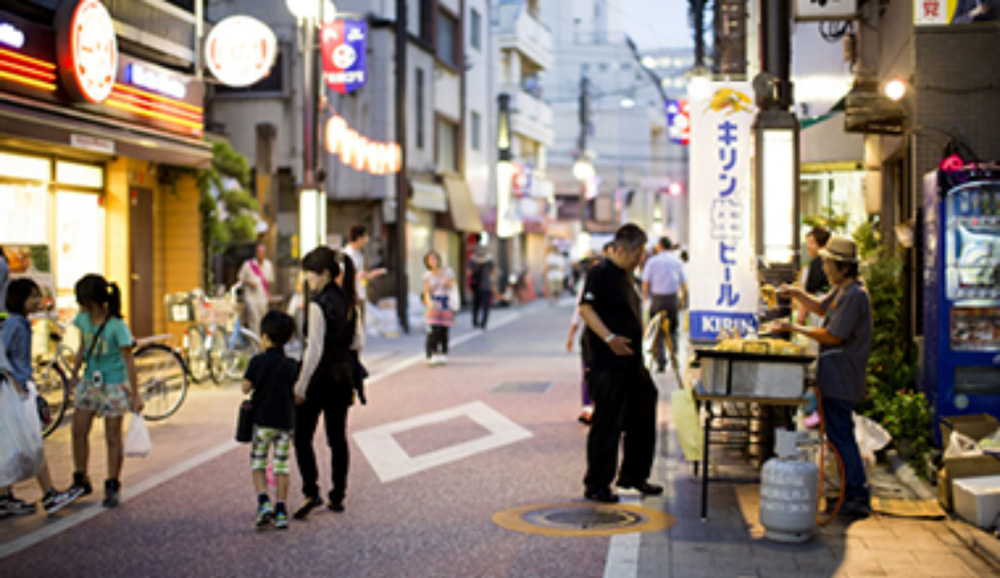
(105, 399)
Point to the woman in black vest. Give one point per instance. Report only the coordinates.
(326, 382)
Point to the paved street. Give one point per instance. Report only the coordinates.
(436, 453)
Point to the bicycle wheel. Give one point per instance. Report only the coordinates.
(830, 491)
(217, 349)
(241, 348)
(162, 380)
(195, 354)
(53, 387)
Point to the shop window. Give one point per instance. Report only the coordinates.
(79, 240)
(24, 219)
(447, 39)
(79, 175)
(419, 97)
(475, 29)
(476, 130)
(25, 167)
(447, 146)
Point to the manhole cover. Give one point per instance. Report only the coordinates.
(583, 519)
(523, 387)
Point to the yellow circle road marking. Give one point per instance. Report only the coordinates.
(582, 519)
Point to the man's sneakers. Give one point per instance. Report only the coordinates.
(335, 502)
(643, 487)
(54, 501)
(602, 495)
(310, 503)
(11, 506)
(437, 359)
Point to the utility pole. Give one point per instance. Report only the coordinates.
(402, 186)
(581, 144)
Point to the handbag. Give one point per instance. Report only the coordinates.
(244, 422)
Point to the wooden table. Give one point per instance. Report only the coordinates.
(707, 399)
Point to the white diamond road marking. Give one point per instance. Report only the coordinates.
(391, 462)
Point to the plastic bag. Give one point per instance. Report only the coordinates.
(137, 442)
(961, 445)
(687, 423)
(22, 452)
(871, 437)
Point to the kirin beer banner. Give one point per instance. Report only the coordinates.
(344, 45)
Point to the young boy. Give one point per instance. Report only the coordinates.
(271, 377)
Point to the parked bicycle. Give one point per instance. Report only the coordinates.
(188, 307)
(51, 366)
(163, 378)
(230, 343)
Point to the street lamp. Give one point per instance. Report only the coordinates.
(312, 195)
(777, 145)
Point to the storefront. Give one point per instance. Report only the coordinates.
(89, 157)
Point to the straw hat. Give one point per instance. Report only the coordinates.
(841, 249)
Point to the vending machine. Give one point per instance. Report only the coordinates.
(961, 372)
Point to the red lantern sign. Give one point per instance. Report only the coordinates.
(87, 49)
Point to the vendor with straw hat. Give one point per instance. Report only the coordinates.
(844, 345)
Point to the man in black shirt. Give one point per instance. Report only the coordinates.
(623, 392)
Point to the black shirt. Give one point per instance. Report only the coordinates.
(816, 281)
(614, 296)
(272, 376)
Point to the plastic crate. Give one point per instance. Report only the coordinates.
(179, 308)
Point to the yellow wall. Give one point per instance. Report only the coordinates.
(117, 255)
(177, 248)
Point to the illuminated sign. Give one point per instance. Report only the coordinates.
(240, 50)
(155, 80)
(87, 49)
(373, 157)
(679, 121)
(11, 35)
(343, 47)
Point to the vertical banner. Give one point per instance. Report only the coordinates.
(722, 273)
(343, 46)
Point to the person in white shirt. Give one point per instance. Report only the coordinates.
(257, 276)
(555, 274)
(665, 285)
(357, 240)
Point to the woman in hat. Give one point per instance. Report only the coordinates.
(844, 344)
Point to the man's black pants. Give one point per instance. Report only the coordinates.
(624, 403)
(334, 412)
(669, 304)
(481, 308)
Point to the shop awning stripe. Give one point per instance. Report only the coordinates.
(27, 81)
(16, 68)
(158, 97)
(114, 102)
(45, 65)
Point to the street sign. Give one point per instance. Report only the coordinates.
(240, 50)
(344, 45)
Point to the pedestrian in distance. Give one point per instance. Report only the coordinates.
(439, 285)
(664, 285)
(844, 346)
(555, 274)
(257, 276)
(357, 239)
(109, 386)
(23, 298)
(326, 383)
(622, 390)
(270, 379)
(575, 323)
(481, 284)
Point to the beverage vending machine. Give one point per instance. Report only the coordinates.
(961, 234)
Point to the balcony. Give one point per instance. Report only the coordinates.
(530, 117)
(517, 29)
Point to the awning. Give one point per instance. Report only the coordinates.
(464, 214)
(428, 196)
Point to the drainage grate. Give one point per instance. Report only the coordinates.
(582, 519)
(523, 387)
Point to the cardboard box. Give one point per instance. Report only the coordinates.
(977, 500)
(976, 427)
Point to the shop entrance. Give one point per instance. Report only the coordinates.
(141, 233)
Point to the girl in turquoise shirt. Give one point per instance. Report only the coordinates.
(109, 386)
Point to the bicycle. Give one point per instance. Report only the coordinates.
(230, 345)
(186, 308)
(162, 379)
(51, 367)
(657, 334)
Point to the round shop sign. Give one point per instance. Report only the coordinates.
(240, 50)
(87, 49)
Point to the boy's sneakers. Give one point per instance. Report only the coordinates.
(112, 493)
(264, 514)
(54, 501)
(307, 506)
(335, 502)
(11, 506)
(280, 516)
(81, 483)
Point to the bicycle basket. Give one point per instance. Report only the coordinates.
(179, 308)
(219, 311)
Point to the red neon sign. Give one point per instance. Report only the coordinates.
(87, 49)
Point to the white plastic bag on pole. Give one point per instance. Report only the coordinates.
(687, 423)
(137, 442)
(22, 452)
